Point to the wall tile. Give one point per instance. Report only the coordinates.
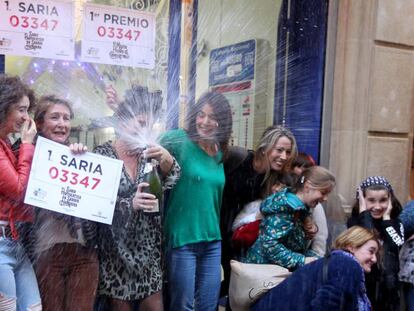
(390, 93)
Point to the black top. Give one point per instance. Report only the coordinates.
(243, 185)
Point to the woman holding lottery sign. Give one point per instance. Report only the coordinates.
(62, 247)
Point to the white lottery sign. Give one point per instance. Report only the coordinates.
(118, 36)
(37, 28)
(83, 186)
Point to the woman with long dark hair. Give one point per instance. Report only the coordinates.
(192, 231)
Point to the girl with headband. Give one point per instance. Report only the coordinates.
(377, 208)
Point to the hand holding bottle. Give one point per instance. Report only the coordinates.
(161, 155)
(145, 201)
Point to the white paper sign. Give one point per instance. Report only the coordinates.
(83, 186)
(118, 36)
(37, 28)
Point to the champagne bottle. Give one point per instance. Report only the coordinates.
(152, 177)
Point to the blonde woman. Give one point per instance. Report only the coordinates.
(250, 176)
(332, 283)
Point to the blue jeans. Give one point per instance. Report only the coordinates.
(194, 276)
(18, 285)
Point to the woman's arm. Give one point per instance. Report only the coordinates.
(165, 159)
(275, 251)
(341, 289)
(318, 244)
(15, 178)
(393, 233)
(16, 175)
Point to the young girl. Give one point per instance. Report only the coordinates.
(282, 238)
(376, 207)
(318, 242)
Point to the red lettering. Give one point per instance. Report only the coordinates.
(64, 178)
(53, 172)
(85, 182)
(97, 181)
(101, 31)
(14, 20)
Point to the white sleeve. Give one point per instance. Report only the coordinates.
(318, 244)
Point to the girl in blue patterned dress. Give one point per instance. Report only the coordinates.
(282, 238)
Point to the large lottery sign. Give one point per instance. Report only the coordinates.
(84, 186)
(118, 36)
(37, 28)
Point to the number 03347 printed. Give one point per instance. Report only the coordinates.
(83, 186)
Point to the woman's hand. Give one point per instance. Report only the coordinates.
(361, 200)
(162, 155)
(387, 214)
(78, 148)
(28, 131)
(112, 98)
(144, 201)
(310, 228)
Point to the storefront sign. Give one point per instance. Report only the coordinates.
(232, 63)
(41, 28)
(118, 36)
(84, 186)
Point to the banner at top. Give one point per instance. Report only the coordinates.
(118, 36)
(37, 28)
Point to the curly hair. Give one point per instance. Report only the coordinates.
(12, 90)
(222, 111)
